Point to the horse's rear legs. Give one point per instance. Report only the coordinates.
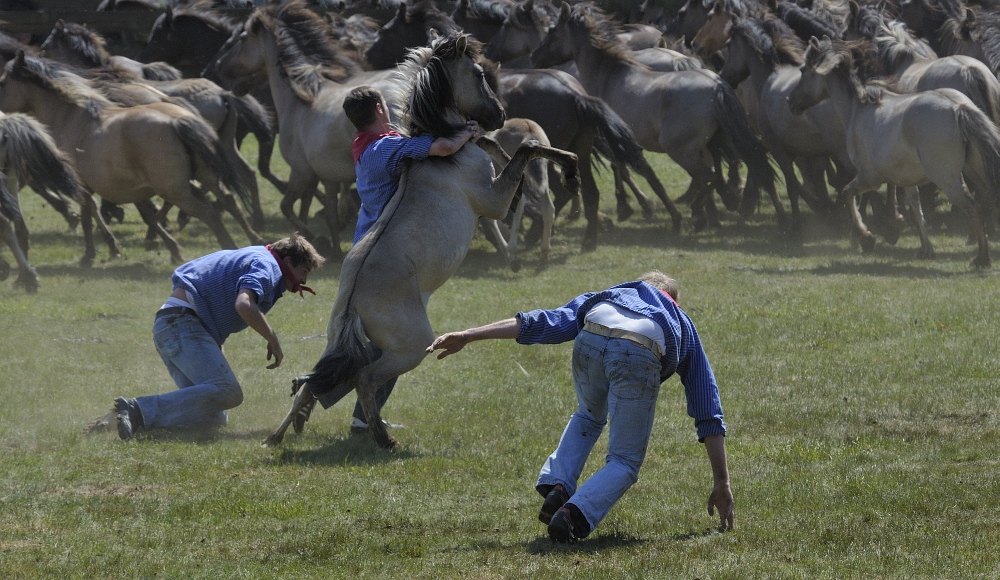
(302, 398)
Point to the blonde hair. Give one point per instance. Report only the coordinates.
(661, 281)
(299, 250)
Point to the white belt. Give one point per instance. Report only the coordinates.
(633, 337)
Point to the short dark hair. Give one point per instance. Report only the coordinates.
(359, 106)
(299, 250)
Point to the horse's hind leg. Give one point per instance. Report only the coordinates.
(147, 209)
(27, 278)
(230, 205)
(926, 250)
(302, 398)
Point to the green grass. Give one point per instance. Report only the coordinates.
(860, 391)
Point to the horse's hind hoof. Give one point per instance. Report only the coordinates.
(981, 263)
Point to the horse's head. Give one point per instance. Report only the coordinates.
(521, 33)
(12, 97)
(450, 86)
(714, 34)
(240, 64)
(690, 18)
(558, 45)
(821, 60)
(407, 29)
(75, 44)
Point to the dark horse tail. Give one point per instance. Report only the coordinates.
(979, 90)
(203, 144)
(256, 118)
(616, 142)
(333, 376)
(984, 137)
(28, 153)
(733, 121)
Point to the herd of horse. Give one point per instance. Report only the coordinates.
(832, 94)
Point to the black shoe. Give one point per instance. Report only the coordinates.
(129, 418)
(553, 501)
(561, 527)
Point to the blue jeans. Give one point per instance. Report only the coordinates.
(615, 379)
(206, 385)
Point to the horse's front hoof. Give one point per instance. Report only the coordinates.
(867, 243)
(981, 263)
(925, 254)
(385, 442)
(27, 281)
(624, 211)
(273, 441)
(87, 261)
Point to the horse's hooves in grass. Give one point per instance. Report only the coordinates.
(981, 263)
(29, 282)
(624, 211)
(4, 270)
(88, 261)
(648, 214)
(515, 266)
(867, 243)
(273, 440)
(151, 245)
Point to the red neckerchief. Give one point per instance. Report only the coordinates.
(287, 273)
(665, 294)
(366, 138)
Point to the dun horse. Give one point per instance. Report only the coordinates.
(679, 113)
(421, 238)
(128, 155)
(27, 153)
(908, 140)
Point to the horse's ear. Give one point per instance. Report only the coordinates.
(969, 14)
(19, 58)
(528, 6)
(461, 44)
(433, 34)
(564, 11)
(60, 26)
(661, 43)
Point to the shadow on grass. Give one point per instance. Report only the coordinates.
(352, 450)
(601, 542)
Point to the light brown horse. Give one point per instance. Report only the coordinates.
(128, 155)
(937, 136)
(27, 153)
(422, 236)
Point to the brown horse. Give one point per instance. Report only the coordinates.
(128, 155)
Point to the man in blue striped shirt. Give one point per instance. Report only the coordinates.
(628, 340)
(215, 296)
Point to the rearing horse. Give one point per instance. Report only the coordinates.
(422, 236)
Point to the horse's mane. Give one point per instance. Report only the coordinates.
(426, 12)
(984, 29)
(494, 11)
(307, 51)
(424, 89)
(203, 12)
(807, 23)
(866, 89)
(771, 38)
(110, 5)
(53, 77)
(897, 47)
(86, 43)
(603, 31)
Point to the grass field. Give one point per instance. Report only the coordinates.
(860, 390)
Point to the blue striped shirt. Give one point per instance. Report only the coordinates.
(215, 280)
(378, 172)
(683, 353)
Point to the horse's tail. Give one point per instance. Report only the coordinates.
(984, 137)
(251, 112)
(347, 354)
(203, 145)
(160, 71)
(615, 140)
(981, 91)
(733, 121)
(29, 153)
